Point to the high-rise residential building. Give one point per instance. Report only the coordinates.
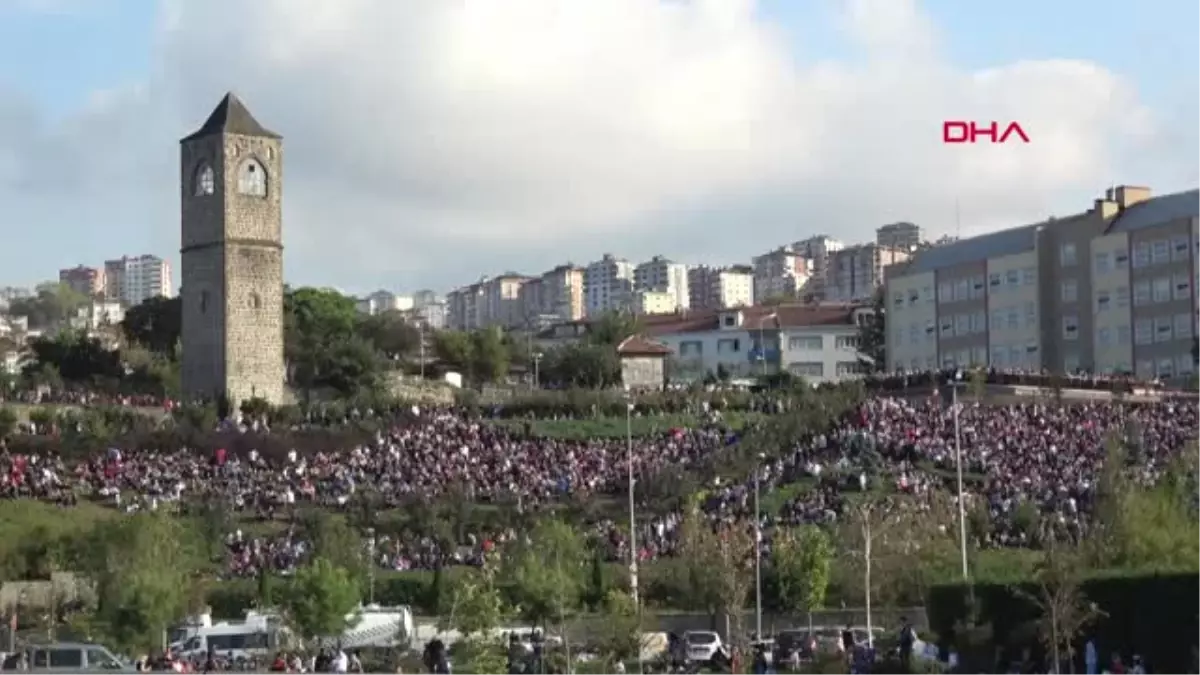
(780, 274)
(903, 236)
(1108, 290)
(720, 287)
(856, 272)
(501, 298)
(88, 281)
(817, 250)
(464, 306)
(557, 295)
(661, 275)
(385, 301)
(132, 280)
(607, 285)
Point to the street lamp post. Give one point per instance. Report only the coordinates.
(958, 461)
(537, 360)
(633, 559)
(371, 565)
(758, 600)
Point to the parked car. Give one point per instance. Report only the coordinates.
(65, 657)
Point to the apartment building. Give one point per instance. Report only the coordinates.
(720, 287)
(819, 343)
(132, 280)
(654, 302)
(1108, 290)
(607, 284)
(663, 276)
(502, 305)
(464, 306)
(818, 251)
(781, 273)
(854, 273)
(88, 281)
(382, 301)
(903, 236)
(557, 294)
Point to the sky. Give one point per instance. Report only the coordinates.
(428, 143)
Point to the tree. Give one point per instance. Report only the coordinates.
(490, 355)
(332, 539)
(76, 358)
(391, 334)
(1059, 597)
(8, 422)
(476, 612)
(51, 305)
(546, 572)
(145, 568)
(620, 636)
(800, 560)
(155, 324)
(322, 346)
(872, 337)
(611, 328)
(583, 365)
(719, 566)
(869, 522)
(455, 349)
(320, 600)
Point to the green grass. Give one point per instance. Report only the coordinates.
(618, 427)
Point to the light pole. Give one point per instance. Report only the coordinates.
(633, 561)
(421, 340)
(371, 565)
(758, 634)
(958, 461)
(537, 360)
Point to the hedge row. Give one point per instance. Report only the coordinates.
(1154, 615)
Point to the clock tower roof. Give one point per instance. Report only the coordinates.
(231, 117)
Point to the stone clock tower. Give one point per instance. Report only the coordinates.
(232, 255)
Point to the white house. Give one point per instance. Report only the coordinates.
(816, 342)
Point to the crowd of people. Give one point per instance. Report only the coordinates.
(1039, 457)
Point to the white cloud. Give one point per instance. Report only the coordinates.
(433, 141)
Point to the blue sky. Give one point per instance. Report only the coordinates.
(55, 55)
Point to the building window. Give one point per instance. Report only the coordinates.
(962, 324)
(994, 280)
(898, 299)
(1016, 355)
(1184, 325)
(945, 292)
(962, 289)
(1031, 318)
(807, 369)
(913, 297)
(799, 343)
(1070, 290)
(999, 356)
(1120, 259)
(914, 333)
(1070, 327)
(977, 288)
(691, 348)
(947, 328)
(205, 181)
(1141, 293)
(1145, 369)
(203, 301)
(1066, 254)
(1166, 367)
(1101, 263)
(979, 356)
(1014, 319)
(1103, 301)
(1143, 332)
(1185, 365)
(1160, 251)
(252, 179)
(927, 293)
(1162, 289)
(997, 321)
(1141, 255)
(1013, 277)
(729, 346)
(1183, 287)
(1162, 329)
(1071, 363)
(1104, 336)
(979, 322)
(1029, 276)
(1123, 334)
(1179, 248)
(1121, 296)
(848, 368)
(846, 342)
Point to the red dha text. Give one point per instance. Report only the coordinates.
(971, 132)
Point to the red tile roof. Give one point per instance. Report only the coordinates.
(637, 345)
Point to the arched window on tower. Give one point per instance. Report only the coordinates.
(252, 179)
(205, 181)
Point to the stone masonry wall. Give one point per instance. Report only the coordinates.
(234, 346)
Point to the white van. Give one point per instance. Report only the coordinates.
(258, 636)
